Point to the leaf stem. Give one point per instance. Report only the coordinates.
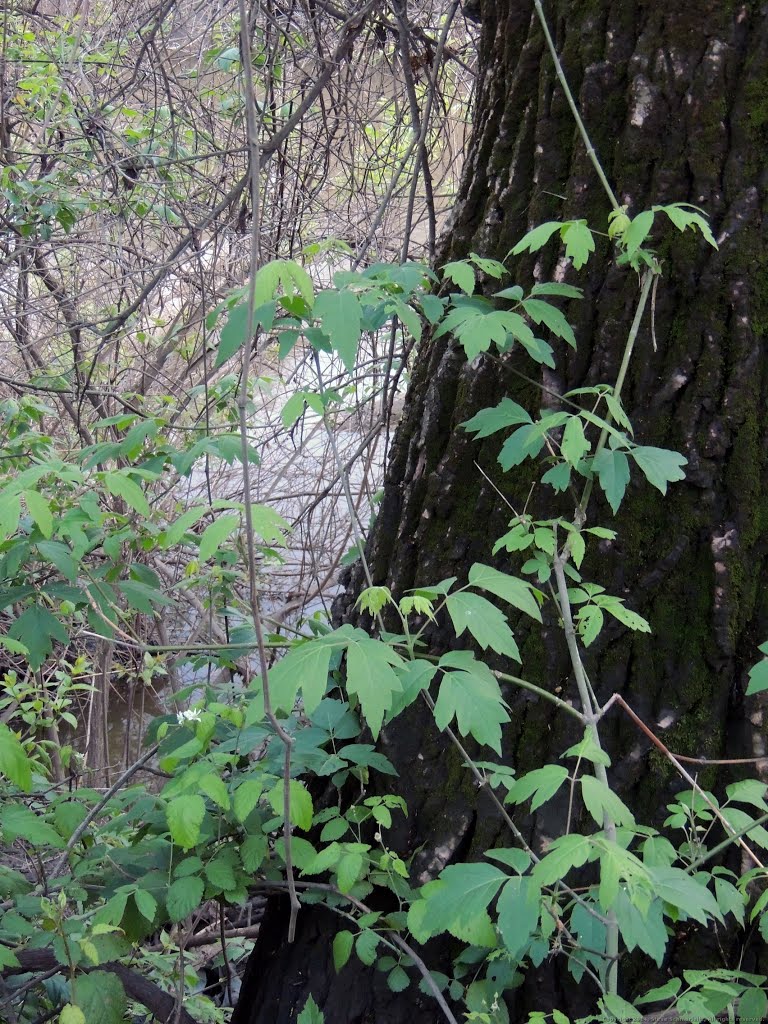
(574, 109)
(645, 288)
(591, 719)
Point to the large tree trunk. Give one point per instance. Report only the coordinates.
(674, 95)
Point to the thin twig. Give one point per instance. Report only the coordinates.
(255, 259)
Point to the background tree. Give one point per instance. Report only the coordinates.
(674, 99)
(127, 221)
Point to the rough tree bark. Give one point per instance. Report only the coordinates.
(674, 95)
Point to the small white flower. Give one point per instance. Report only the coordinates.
(193, 715)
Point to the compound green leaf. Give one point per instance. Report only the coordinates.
(748, 791)
(518, 909)
(537, 238)
(58, 554)
(659, 465)
(514, 591)
(474, 698)
(293, 409)
(414, 676)
(18, 822)
(569, 851)
(567, 291)
(252, 852)
(488, 421)
(579, 242)
(67, 816)
(753, 1006)
(545, 313)
(268, 524)
(306, 668)
(730, 900)
(433, 307)
(462, 274)
(638, 231)
(558, 477)
(146, 904)
(616, 607)
(574, 445)
(484, 621)
(247, 796)
(365, 946)
(213, 786)
(525, 443)
(683, 215)
(141, 596)
(349, 869)
(301, 809)
(662, 993)
(398, 980)
(589, 623)
(467, 890)
(602, 802)
(758, 678)
(675, 886)
(10, 512)
(620, 1009)
(370, 675)
(175, 531)
(69, 1014)
(541, 784)
(612, 468)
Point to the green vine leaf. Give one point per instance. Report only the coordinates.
(342, 947)
(184, 815)
(14, 763)
(101, 997)
(311, 1013)
(184, 896)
